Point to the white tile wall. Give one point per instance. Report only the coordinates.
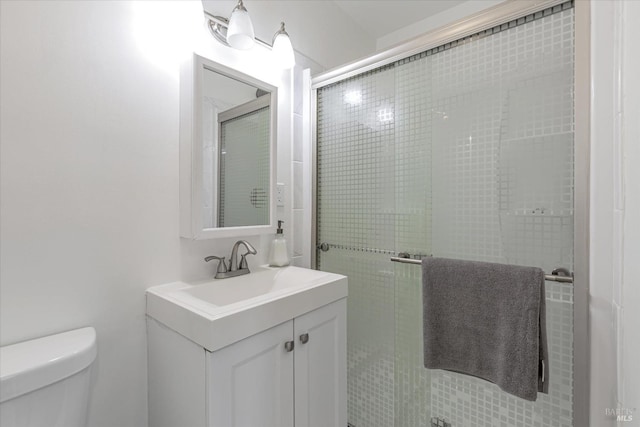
(301, 156)
(297, 185)
(298, 166)
(297, 137)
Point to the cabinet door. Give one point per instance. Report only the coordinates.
(321, 367)
(250, 383)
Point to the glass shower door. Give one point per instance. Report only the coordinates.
(502, 141)
(356, 220)
(464, 151)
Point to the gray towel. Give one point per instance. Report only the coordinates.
(486, 320)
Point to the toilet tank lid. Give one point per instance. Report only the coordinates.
(30, 365)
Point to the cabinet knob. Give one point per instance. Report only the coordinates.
(304, 338)
(289, 346)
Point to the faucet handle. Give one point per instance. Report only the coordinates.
(222, 266)
(243, 262)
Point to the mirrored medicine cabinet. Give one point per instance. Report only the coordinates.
(228, 124)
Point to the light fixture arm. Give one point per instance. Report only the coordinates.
(218, 27)
(223, 29)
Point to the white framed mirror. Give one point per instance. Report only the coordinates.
(228, 123)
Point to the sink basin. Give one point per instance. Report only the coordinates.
(264, 281)
(216, 313)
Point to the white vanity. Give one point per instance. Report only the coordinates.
(259, 350)
(262, 349)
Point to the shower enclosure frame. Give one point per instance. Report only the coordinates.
(472, 24)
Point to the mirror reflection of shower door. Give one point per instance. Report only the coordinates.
(463, 152)
(243, 197)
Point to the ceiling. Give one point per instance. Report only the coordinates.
(379, 18)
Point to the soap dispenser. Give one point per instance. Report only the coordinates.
(279, 256)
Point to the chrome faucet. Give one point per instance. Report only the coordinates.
(235, 268)
(233, 261)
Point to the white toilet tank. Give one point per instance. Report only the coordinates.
(46, 381)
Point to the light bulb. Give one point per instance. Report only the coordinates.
(240, 33)
(282, 48)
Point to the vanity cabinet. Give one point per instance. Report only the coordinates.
(292, 374)
(293, 371)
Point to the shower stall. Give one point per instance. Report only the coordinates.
(463, 147)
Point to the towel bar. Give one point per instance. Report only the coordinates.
(554, 277)
(324, 247)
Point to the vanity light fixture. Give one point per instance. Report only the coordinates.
(240, 33)
(237, 32)
(282, 48)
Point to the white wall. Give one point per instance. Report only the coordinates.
(604, 235)
(615, 212)
(423, 26)
(89, 175)
(630, 351)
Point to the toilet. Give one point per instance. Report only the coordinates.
(47, 381)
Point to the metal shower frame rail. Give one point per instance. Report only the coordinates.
(559, 274)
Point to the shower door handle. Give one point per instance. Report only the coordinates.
(324, 247)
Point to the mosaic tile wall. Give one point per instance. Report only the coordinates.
(464, 151)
